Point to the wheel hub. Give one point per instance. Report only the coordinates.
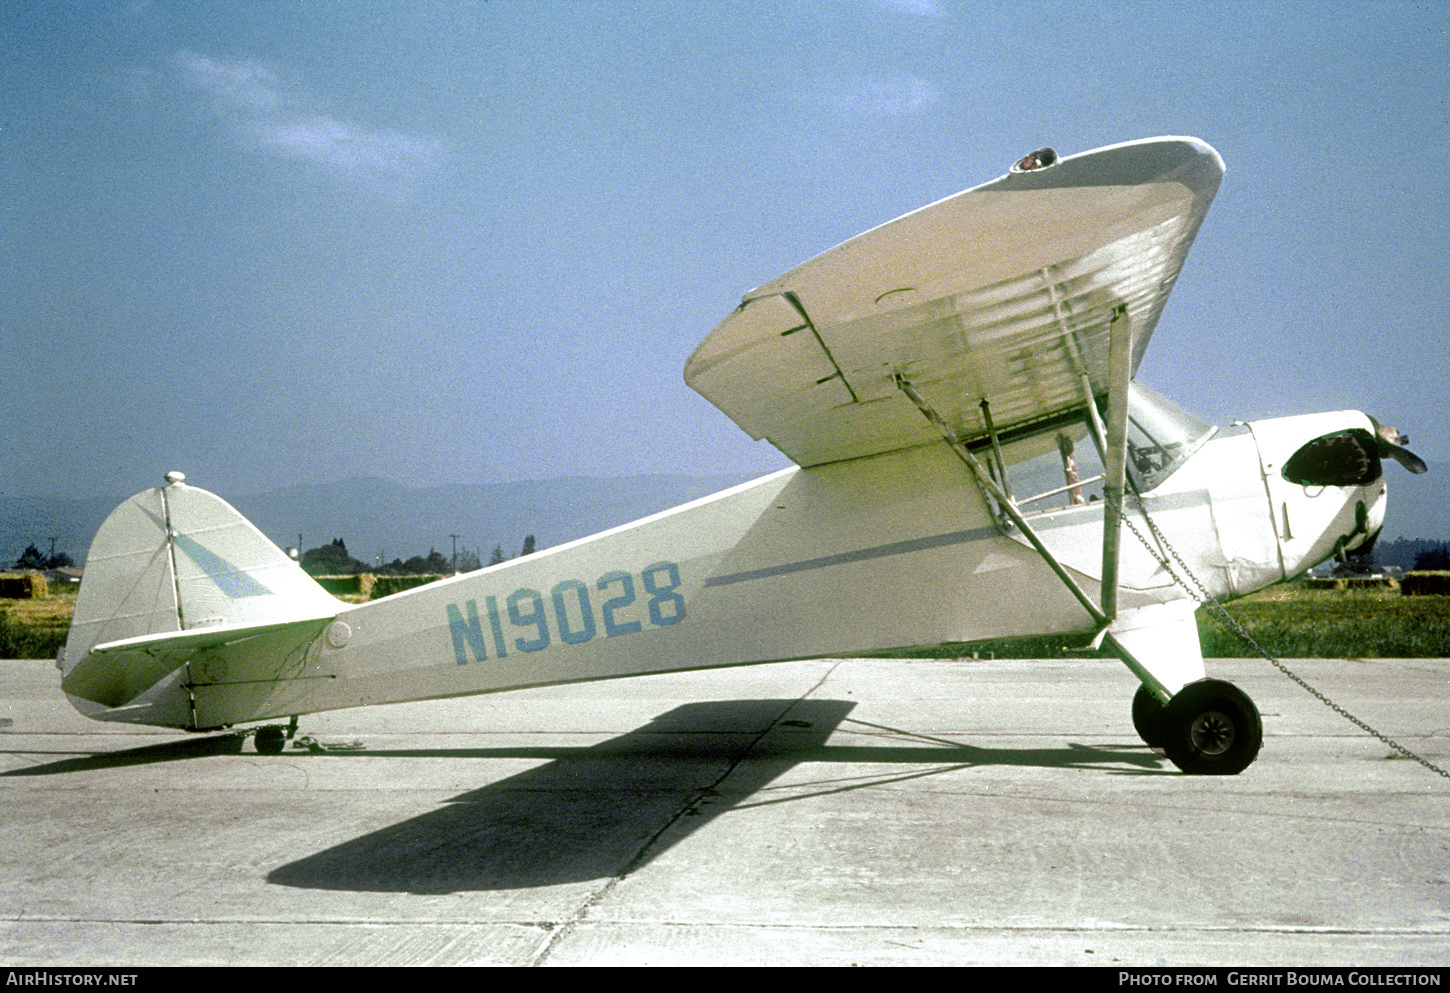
(1212, 733)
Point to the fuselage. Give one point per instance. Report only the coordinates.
(862, 556)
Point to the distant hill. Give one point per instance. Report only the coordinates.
(380, 517)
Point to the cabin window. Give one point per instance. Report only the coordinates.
(1062, 466)
(1056, 469)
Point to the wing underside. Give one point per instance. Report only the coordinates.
(1004, 293)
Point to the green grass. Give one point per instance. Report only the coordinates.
(1287, 620)
(19, 640)
(36, 629)
(1296, 623)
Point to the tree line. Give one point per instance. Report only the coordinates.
(333, 559)
(1412, 553)
(33, 561)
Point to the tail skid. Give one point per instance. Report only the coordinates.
(175, 572)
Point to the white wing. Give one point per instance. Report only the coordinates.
(1004, 292)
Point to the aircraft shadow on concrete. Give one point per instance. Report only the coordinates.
(600, 812)
(172, 751)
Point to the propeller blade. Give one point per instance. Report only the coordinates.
(1392, 444)
(1408, 459)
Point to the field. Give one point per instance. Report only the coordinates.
(35, 629)
(1292, 622)
(1287, 620)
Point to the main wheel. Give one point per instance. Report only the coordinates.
(1211, 728)
(1148, 717)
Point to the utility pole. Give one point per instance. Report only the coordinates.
(455, 552)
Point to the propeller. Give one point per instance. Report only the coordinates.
(1391, 444)
(1350, 458)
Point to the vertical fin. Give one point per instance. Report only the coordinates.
(177, 558)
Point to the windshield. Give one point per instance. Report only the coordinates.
(1161, 436)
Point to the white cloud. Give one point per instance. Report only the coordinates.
(922, 8)
(247, 86)
(326, 141)
(869, 96)
(278, 123)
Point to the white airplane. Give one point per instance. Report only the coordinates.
(956, 390)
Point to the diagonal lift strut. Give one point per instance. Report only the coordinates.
(1100, 614)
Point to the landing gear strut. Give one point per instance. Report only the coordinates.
(1209, 728)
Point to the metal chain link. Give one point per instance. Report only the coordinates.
(1221, 614)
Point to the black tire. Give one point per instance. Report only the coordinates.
(271, 739)
(1212, 728)
(1148, 717)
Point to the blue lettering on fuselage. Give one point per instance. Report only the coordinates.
(566, 612)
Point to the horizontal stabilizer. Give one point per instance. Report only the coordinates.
(114, 674)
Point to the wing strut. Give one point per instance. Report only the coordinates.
(997, 450)
(1099, 615)
(1115, 454)
(1004, 501)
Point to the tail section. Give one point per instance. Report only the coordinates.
(173, 572)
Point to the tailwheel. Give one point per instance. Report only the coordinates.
(270, 740)
(1211, 728)
(1148, 717)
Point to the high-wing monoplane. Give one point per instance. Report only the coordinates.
(973, 460)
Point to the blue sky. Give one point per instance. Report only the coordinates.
(444, 242)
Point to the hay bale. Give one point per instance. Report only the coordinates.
(1370, 583)
(340, 585)
(26, 586)
(388, 585)
(1350, 582)
(1429, 583)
